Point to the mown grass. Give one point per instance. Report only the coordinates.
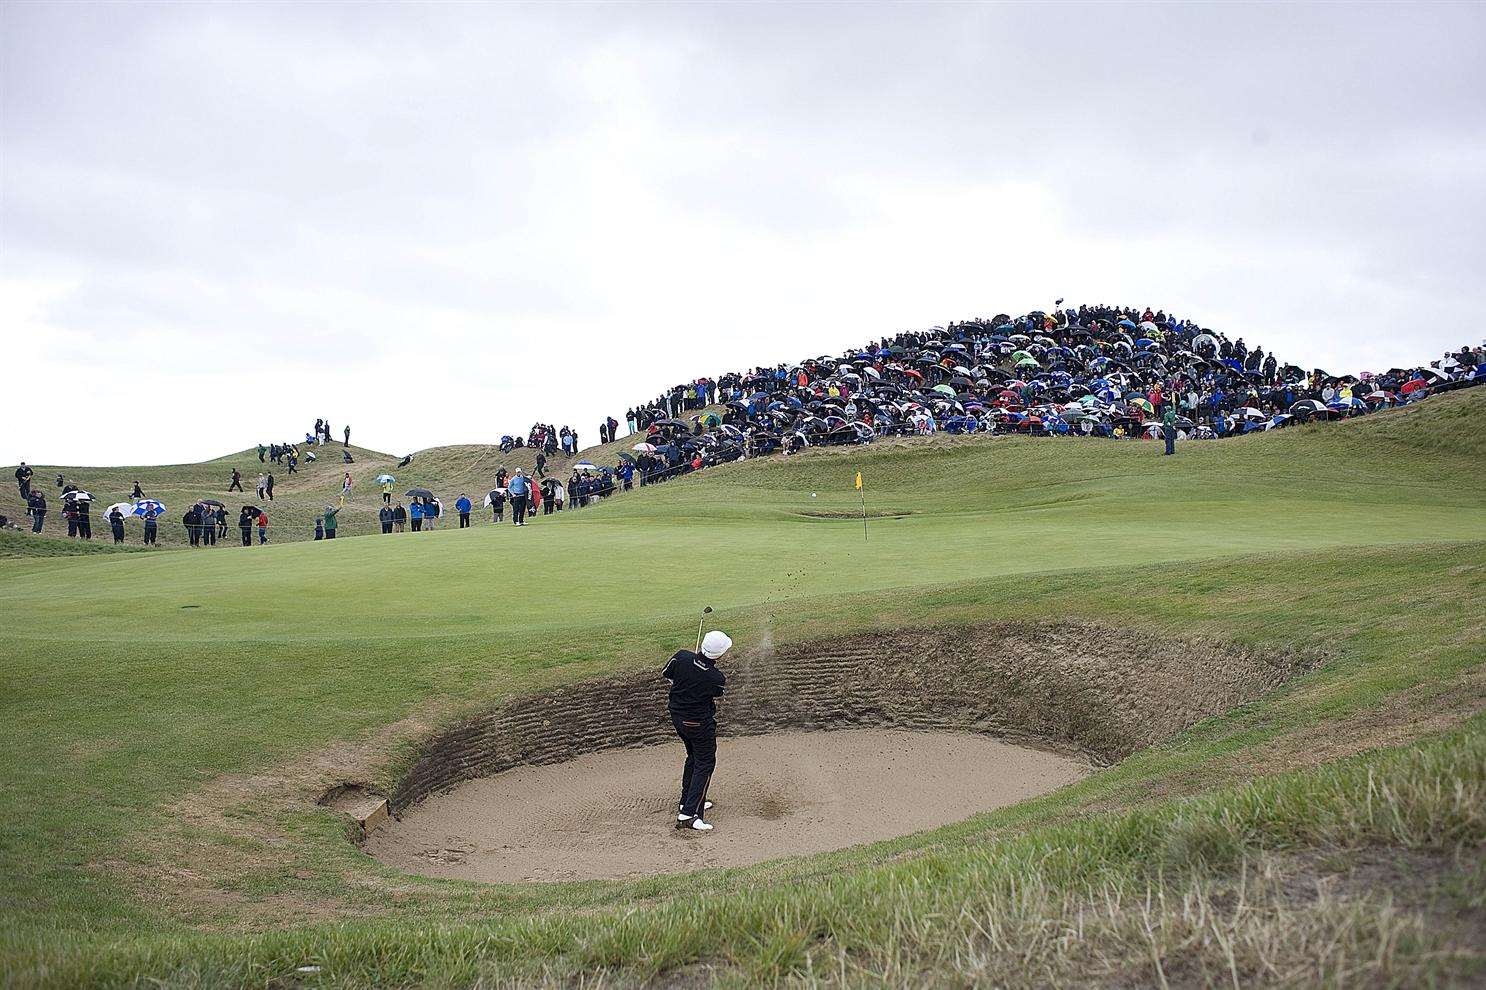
(121, 704)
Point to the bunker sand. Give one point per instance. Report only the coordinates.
(612, 814)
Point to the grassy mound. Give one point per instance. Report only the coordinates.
(173, 716)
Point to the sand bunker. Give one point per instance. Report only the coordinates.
(611, 814)
(567, 782)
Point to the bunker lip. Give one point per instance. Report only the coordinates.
(1092, 691)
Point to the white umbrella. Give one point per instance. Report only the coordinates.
(77, 495)
(125, 508)
(584, 466)
(644, 448)
(493, 491)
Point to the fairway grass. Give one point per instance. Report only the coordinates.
(167, 714)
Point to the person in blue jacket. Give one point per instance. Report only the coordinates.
(519, 490)
(415, 514)
(463, 507)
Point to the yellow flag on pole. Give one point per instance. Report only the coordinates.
(859, 481)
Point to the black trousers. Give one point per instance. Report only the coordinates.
(236, 483)
(387, 527)
(700, 738)
(37, 518)
(247, 535)
(464, 520)
(118, 531)
(518, 509)
(150, 534)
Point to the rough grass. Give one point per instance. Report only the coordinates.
(1205, 891)
(161, 760)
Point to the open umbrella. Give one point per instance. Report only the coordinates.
(644, 448)
(125, 508)
(584, 466)
(385, 479)
(148, 506)
(77, 495)
(418, 493)
(211, 501)
(489, 498)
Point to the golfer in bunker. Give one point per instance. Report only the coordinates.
(695, 683)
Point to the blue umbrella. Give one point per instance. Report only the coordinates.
(148, 506)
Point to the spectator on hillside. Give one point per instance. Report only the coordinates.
(399, 517)
(23, 475)
(116, 524)
(262, 485)
(268, 486)
(331, 512)
(348, 436)
(151, 527)
(221, 519)
(520, 491)
(405, 461)
(319, 527)
(245, 520)
(415, 515)
(497, 504)
(345, 487)
(36, 509)
(138, 492)
(432, 510)
(384, 516)
(261, 451)
(262, 527)
(541, 465)
(293, 460)
(386, 493)
(237, 481)
(463, 507)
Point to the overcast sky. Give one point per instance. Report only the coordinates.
(444, 222)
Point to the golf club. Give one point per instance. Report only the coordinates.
(706, 611)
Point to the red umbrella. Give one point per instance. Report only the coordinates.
(1414, 386)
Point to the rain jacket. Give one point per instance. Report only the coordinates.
(695, 682)
(518, 485)
(463, 505)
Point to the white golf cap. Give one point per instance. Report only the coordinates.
(715, 644)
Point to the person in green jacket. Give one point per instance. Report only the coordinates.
(330, 513)
(1168, 429)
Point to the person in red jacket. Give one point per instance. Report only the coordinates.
(262, 527)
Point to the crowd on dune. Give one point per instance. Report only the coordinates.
(1091, 371)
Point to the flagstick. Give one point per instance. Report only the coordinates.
(863, 493)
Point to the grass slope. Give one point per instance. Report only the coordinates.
(148, 692)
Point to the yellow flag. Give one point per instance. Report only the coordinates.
(859, 481)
